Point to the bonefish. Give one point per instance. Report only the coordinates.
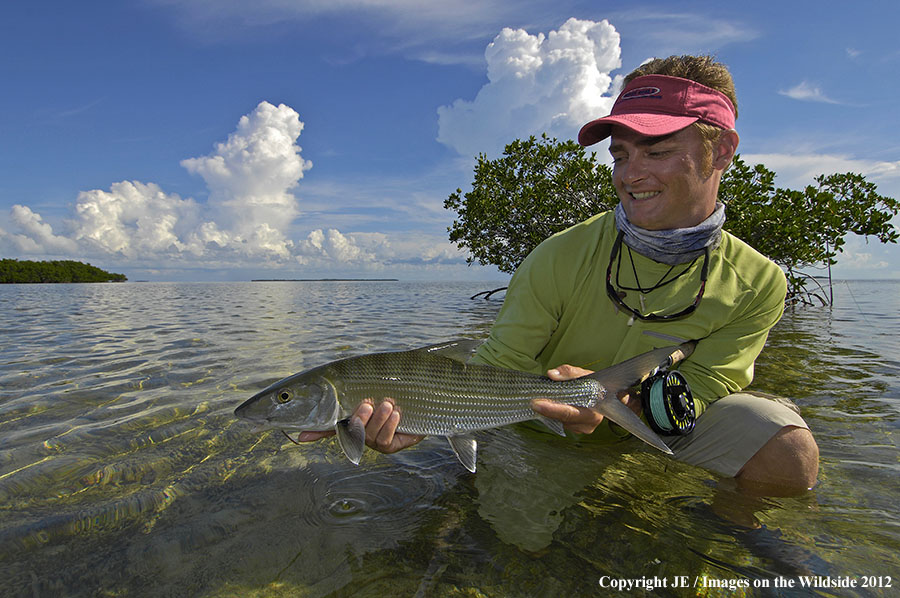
(439, 393)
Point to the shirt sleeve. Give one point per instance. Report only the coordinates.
(722, 362)
(529, 316)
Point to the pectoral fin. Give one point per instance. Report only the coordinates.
(351, 435)
(616, 410)
(554, 425)
(465, 449)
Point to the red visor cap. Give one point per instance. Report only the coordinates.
(655, 105)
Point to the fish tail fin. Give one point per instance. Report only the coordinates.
(632, 372)
(618, 412)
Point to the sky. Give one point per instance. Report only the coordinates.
(219, 140)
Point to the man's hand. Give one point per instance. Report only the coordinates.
(581, 420)
(381, 428)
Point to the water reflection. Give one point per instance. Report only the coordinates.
(122, 469)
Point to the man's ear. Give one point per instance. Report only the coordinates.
(725, 149)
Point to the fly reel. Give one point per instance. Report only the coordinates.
(668, 404)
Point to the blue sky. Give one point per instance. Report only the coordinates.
(227, 140)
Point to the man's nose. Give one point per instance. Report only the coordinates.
(633, 171)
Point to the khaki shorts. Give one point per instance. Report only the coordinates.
(731, 430)
(524, 504)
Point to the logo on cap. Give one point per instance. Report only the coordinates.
(641, 92)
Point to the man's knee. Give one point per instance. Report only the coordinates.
(788, 461)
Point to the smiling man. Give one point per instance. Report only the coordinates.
(661, 264)
(658, 266)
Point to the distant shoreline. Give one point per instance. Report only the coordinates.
(13, 271)
(325, 280)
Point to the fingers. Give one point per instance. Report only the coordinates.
(567, 372)
(381, 424)
(313, 436)
(580, 420)
(632, 400)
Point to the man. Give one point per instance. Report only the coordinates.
(660, 264)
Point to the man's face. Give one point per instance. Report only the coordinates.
(664, 182)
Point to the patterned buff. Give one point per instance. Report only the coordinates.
(673, 246)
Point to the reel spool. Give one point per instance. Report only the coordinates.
(668, 404)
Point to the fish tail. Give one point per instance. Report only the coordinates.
(632, 372)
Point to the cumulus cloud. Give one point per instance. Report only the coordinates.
(807, 92)
(250, 218)
(250, 177)
(133, 219)
(35, 236)
(536, 84)
(333, 246)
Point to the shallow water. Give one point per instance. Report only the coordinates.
(124, 472)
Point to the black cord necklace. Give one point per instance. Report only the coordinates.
(660, 283)
(617, 296)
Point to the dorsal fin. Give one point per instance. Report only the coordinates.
(458, 350)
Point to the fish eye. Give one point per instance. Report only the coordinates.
(284, 395)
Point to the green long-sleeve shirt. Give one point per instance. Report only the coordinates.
(557, 310)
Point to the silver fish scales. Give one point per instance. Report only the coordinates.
(441, 396)
(438, 393)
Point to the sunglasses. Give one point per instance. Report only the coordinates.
(614, 295)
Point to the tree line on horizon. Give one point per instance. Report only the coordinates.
(25, 271)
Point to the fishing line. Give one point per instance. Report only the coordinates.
(858, 306)
(668, 404)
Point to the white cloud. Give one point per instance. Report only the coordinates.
(536, 84)
(36, 236)
(807, 92)
(332, 246)
(375, 251)
(133, 219)
(405, 24)
(678, 33)
(867, 258)
(861, 261)
(252, 218)
(250, 178)
(799, 170)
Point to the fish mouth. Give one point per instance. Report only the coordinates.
(253, 409)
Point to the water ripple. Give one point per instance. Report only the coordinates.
(123, 470)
